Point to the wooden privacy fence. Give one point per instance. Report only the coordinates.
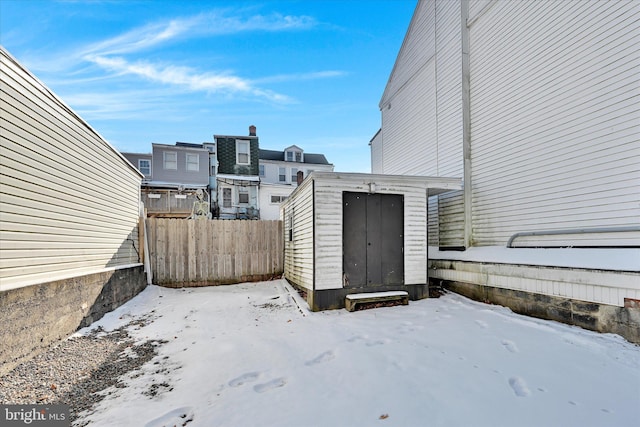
(205, 252)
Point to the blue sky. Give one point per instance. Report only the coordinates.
(306, 72)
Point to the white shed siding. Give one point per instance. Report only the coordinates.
(433, 221)
(298, 254)
(555, 131)
(329, 218)
(70, 202)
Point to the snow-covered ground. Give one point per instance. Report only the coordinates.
(253, 355)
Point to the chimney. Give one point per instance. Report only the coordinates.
(252, 130)
(300, 177)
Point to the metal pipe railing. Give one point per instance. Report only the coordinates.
(572, 231)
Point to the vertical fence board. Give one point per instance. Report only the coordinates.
(200, 252)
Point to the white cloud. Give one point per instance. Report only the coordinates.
(187, 77)
(301, 76)
(206, 24)
(111, 54)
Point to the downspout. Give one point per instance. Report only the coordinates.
(466, 122)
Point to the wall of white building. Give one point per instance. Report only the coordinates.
(555, 125)
(70, 201)
(422, 113)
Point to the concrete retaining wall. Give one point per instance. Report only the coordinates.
(34, 317)
(624, 321)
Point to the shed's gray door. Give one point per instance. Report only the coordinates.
(373, 240)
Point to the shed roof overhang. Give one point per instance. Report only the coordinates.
(433, 184)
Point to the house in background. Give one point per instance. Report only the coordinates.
(237, 179)
(280, 172)
(179, 176)
(143, 162)
(213, 171)
(544, 128)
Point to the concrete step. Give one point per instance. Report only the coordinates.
(353, 300)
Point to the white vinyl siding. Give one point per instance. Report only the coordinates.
(555, 120)
(376, 153)
(422, 111)
(70, 202)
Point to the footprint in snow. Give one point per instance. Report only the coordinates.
(357, 338)
(519, 387)
(324, 357)
(179, 416)
(245, 378)
(376, 342)
(482, 324)
(510, 345)
(270, 385)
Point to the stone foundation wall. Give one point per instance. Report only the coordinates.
(624, 321)
(36, 316)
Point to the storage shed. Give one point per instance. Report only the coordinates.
(353, 233)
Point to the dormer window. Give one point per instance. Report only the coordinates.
(293, 154)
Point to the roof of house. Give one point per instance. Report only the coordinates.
(188, 144)
(316, 159)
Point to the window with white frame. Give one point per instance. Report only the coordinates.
(144, 166)
(243, 195)
(243, 152)
(170, 160)
(282, 174)
(226, 197)
(293, 156)
(261, 170)
(294, 175)
(193, 162)
(277, 199)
